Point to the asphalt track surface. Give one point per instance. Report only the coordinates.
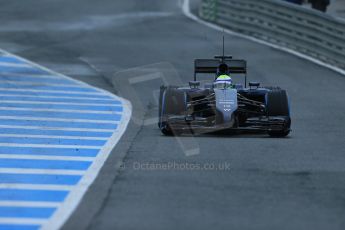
(292, 183)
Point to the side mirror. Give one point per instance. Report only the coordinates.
(254, 84)
(194, 84)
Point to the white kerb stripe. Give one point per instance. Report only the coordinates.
(42, 84)
(23, 221)
(57, 97)
(42, 171)
(60, 110)
(18, 65)
(29, 204)
(49, 146)
(76, 194)
(34, 75)
(57, 103)
(56, 128)
(52, 158)
(37, 187)
(57, 119)
(52, 91)
(55, 137)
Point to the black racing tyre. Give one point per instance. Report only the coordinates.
(280, 133)
(174, 101)
(165, 129)
(162, 89)
(171, 102)
(277, 104)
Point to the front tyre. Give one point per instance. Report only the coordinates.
(172, 102)
(277, 105)
(285, 131)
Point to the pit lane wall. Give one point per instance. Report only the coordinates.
(306, 31)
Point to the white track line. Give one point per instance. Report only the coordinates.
(74, 197)
(57, 119)
(56, 103)
(18, 65)
(45, 157)
(10, 74)
(187, 12)
(23, 221)
(51, 91)
(56, 128)
(42, 171)
(47, 187)
(35, 83)
(49, 146)
(29, 204)
(56, 97)
(55, 137)
(76, 194)
(60, 110)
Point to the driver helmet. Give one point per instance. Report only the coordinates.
(223, 82)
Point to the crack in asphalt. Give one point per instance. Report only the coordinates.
(100, 74)
(120, 170)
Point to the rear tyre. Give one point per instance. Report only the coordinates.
(277, 105)
(172, 102)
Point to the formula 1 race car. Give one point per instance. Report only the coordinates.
(217, 105)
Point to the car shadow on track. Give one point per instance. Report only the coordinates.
(230, 134)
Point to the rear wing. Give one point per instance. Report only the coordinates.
(211, 66)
